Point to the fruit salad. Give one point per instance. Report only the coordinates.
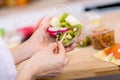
(66, 27)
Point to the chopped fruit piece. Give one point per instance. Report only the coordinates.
(86, 41)
(66, 41)
(79, 26)
(63, 17)
(65, 24)
(71, 32)
(68, 26)
(72, 20)
(78, 29)
(68, 36)
(53, 31)
(75, 29)
(55, 22)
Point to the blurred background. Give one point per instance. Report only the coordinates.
(19, 13)
(20, 18)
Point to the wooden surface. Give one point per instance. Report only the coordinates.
(83, 65)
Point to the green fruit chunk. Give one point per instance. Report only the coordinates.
(60, 37)
(68, 36)
(77, 29)
(65, 41)
(63, 17)
(71, 33)
(85, 42)
(63, 24)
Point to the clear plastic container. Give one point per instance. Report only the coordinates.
(60, 10)
(102, 37)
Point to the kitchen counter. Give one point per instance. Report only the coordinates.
(82, 64)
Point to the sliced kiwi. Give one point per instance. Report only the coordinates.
(77, 29)
(63, 17)
(71, 33)
(65, 24)
(65, 41)
(69, 37)
(60, 37)
(85, 42)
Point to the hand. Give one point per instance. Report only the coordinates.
(27, 49)
(45, 39)
(37, 41)
(45, 62)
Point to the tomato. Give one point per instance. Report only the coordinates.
(109, 50)
(116, 51)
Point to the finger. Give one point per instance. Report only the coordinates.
(52, 46)
(61, 48)
(39, 23)
(45, 23)
(70, 48)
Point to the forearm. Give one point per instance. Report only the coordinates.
(25, 74)
(23, 51)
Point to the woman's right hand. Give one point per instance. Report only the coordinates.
(45, 62)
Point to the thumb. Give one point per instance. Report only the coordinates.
(45, 27)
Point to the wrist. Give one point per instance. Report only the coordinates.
(26, 73)
(24, 51)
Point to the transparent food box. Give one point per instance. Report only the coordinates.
(65, 24)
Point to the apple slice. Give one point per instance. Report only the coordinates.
(72, 20)
(55, 22)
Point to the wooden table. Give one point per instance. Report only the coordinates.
(83, 65)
